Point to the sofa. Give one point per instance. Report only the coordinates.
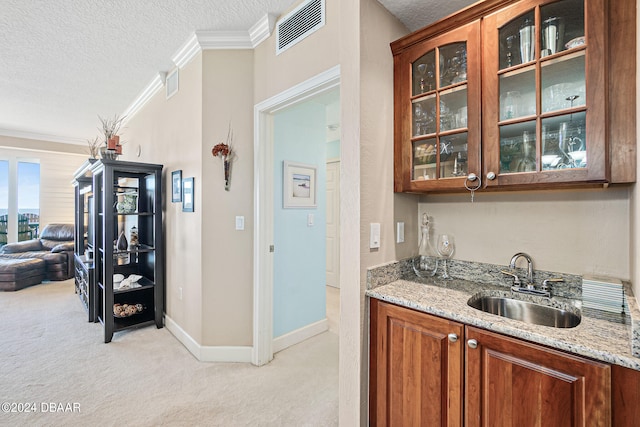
(54, 246)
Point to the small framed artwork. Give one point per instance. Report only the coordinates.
(187, 195)
(299, 185)
(176, 186)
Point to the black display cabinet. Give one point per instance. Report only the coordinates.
(128, 243)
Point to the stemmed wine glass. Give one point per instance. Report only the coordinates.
(445, 248)
(422, 69)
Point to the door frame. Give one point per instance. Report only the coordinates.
(262, 351)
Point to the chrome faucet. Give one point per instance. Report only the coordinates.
(529, 287)
(512, 265)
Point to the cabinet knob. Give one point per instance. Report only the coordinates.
(491, 176)
(472, 344)
(453, 337)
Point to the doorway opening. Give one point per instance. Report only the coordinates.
(267, 163)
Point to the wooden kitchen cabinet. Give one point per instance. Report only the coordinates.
(542, 122)
(510, 382)
(557, 89)
(416, 368)
(437, 111)
(420, 377)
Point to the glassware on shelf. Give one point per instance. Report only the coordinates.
(461, 117)
(445, 248)
(552, 35)
(510, 105)
(453, 64)
(459, 64)
(510, 41)
(571, 145)
(422, 72)
(527, 41)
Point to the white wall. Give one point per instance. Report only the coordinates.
(56, 174)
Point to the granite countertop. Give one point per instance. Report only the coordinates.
(595, 337)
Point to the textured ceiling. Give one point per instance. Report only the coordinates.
(415, 14)
(64, 62)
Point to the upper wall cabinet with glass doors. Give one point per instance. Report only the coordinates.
(437, 106)
(558, 97)
(542, 122)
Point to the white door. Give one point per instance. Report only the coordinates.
(333, 223)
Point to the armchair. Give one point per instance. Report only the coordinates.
(55, 246)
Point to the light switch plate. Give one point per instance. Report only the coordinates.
(400, 232)
(310, 220)
(374, 240)
(239, 223)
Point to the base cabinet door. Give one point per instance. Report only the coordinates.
(416, 368)
(513, 383)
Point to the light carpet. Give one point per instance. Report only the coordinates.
(52, 359)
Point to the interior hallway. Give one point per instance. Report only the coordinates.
(50, 353)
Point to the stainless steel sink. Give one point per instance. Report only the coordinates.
(524, 311)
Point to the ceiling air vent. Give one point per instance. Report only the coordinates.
(299, 23)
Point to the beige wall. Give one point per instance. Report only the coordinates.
(227, 273)
(378, 203)
(169, 132)
(58, 162)
(206, 256)
(317, 53)
(578, 232)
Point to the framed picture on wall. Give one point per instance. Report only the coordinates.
(176, 186)
(187, 195)
(299, 185)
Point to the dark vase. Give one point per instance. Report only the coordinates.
(122, 243)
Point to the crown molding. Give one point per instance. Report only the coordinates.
(224, 40)
(262, 29)
(187, 52)
(210, 39)
(206, 40)
(13, 133)
(152, 88)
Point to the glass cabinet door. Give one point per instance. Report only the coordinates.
(439, 113)
(538, 75)
(442, 106)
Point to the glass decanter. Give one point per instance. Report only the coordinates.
(424, 250)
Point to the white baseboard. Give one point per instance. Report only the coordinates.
(208, 353)
(299, 335)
